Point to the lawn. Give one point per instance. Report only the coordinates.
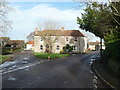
(3, 58)
(51, 55)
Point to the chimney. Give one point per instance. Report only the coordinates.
(36, 31)
(62, 28)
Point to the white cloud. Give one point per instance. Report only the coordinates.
(25, 20)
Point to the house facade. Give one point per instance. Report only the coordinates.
(4, 41)
(57, 39)
(30, 45)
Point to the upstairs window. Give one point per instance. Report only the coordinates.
(57, 47)
(67, 39)
(41, 39)
(41, 47)
(76, 38)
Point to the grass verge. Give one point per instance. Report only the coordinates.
(106, 75)
(51, 55)
(3, 58)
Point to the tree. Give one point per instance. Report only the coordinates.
(30, 36)
(47, 25)
(4, 22)
(49, 34)
(102, 20)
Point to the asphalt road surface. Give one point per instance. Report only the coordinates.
(69, 72)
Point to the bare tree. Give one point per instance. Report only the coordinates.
(30, 36)
(4, 22)
(49, 25)
(50, 34)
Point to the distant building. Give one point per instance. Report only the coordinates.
(29, 45)
(17, 43)
(95, 46)
(72, 37)
(4, 41)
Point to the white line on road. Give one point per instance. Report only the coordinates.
(24, 67)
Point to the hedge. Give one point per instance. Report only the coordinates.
(7, 50)
(113, 49)
(112, 54)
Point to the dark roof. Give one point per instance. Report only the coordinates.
(60, 33)
(17, 41)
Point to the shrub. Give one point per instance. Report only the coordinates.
(112, 55)
(67, 48)
(113, 49)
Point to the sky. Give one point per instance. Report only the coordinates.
(26, 15)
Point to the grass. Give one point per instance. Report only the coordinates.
(114, 81)
(51, 55)
(3, 58)
(17, 50)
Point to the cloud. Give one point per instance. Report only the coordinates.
(26, 20)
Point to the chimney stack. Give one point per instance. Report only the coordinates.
(62, 28)
(36, 31)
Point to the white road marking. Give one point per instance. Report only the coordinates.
(12, 79)
(20, 68)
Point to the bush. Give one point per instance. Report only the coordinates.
(114, 65)
(112, 55)
(8, 50)
(113, 49)
(67, 48)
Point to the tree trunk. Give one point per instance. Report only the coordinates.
(101, 47)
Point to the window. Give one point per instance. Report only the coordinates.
(58, 47)
(41, 39)
(74, 47)
(41, 47)
(67, 39)
(75, 38)
(57, 40)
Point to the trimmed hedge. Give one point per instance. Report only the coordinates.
(112, 54)
(7, 50)
(113, 49)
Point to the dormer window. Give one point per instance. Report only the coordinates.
(67, 39)
(76, 38)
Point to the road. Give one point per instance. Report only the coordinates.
(69, 72)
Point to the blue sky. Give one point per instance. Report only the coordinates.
(26, 16)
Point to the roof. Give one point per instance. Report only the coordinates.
(16, 41)
(5, 38)
(30, 42)
(60, 33)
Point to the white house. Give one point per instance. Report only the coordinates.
(95, 46)
(59, 39)
(29, 45)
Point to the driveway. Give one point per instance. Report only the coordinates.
(20, 60)
(69, 72)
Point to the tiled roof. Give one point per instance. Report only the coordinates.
(30, 42)
(16, 41)
(5, 38)
(60, 33)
